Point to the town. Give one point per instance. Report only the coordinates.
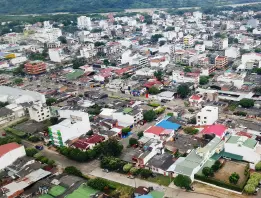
(153, 104)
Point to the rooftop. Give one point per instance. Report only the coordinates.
(6, 148)
(217, 129)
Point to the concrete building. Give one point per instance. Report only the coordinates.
(188, 41)
(56, 55)
(17, 109)
(39, 112)
(9, 153)
(76, 123)
(200, 47)
(182, 77)
(220, 43)
(6, 115)
(128, 117)
(207, 116)
(84, 22)
(232, 52)
(221, 62)
(35, 67)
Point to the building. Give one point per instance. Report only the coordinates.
(196, 100)
(200, 47)
(6, 115)
(76, 123)
(39, 112)
(220, 43)
(17, 109)
(221, 62)
(218, 130)
(128, 117)
(207, 116)
(35, 67)
(232, 52)
(188, 41)
(56, 55)
(9, 153)
(88, 143)
(183, 77)
(84, 22)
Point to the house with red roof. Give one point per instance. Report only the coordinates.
(159, 133)
(88, 143)
(196, 100)
(153, 83)
(217, 129)
(9, 153)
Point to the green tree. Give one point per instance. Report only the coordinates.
(149, 115)
(246, 103)
(140, 134)
(183, 90)
(154, 90)
(125, 131)
(249, 189)
(3, 104)
(258, 166)
(191, 130)
(207, 172)
(98, 183)
(155, 38)
(78, 62)
(161, 43)
(187, 69)
(30, 152)
(134, 171)
(145, 173)
(51, 162)
(99, 43)
(257, 90)
(257, 70)
(203, 80)
(71, 170)
(127, 167)
(233, 178)
(182, 181)
(50, 101)
(111, 147)
(34, 138)
(19, 70)
(133, 141)
(159, 75)
(18, 81)
(62, 39)
(90, 132)
(216, 166)
(54, 120)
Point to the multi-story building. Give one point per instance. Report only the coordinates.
(207, 116)
(221, 62)
(84, 22)
(6, 115)
(232, 52)
(39, 112)
(220, 43)
(76, 123)
(56, 55)
(188, 41)
(182, 77)
(35, 67)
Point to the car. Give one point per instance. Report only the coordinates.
(105, 170)
(164, 101)
(39, 147)
(130, 177)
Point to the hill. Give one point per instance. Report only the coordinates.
(83, 6)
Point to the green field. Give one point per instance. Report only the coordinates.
(157, 194)
(56, 190)
(46, 196)
(74, 75)
(82, 192)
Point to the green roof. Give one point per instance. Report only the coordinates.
(233, 139)
(250, 143)
(56, 191)
(82, 192)
(156, 194)
(127, 110)
(74, 75)
(232, 156)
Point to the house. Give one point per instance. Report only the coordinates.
(232, 52)
(192, 163)
(114, 85)
(248, 148)
(218, 130)
(183, 77)
(76, 123)
(165, 95)
(196, 100)
(39, 112)
(6, 115)
(128, 116)
(158, 133)
(207, 116)
(88, 143)
(9, 153)
(17, 109)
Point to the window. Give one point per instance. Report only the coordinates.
(198, 117)
(205, 117)
(47, 116)
(42, 113)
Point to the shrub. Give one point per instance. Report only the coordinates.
(216, 166)
(134, 171)
(133, 141)
(16, 132)
(51, 162)
(71, 170)
(258, 166)
(154, 104)
(34, 138)
(127, 167)
(191, 110)
(182, 181)
(98, 183)
(190, 130)
(249, 189)
(30, 152)
(170, 114)
(240, 113)
(159, 110)
(44, 160)
(140, 134)
(234, 177)
(208, 172)
(145, 173)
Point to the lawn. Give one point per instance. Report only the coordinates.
(125, 191)
(82, 192)
(74, 75)
(230, 167)
(156, 194)
(46, 196)
(56, 191)
(160, 179)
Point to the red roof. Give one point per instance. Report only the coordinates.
(155, 130)
(241, 133)
(6, 148)
(85, 143)
(123, 70)
(195, 97)
(217, 129)
(152, 83)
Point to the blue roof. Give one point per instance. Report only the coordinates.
(144, 196)
(168, 125)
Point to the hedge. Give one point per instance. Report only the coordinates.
(15, 132)
(219, 183)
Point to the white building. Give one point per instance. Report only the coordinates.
(188, 41)
(146, 71)
(114, 85)
(235, 79)
(18, 60)
(10, 153)
(76, 124)
(6, 115)
(56, 55)
(200, 48)
(128, 117)
(17, 109)
(128, 57)
(84, 22)
(88, 51)
(232, 52)
(47, 24)
(39, 112)
(182, 77)
(207, 116)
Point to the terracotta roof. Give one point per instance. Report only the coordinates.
(195, 97)
(242, 133)
(85, 143)
(217, 129)
(155, 130)
(6, 148)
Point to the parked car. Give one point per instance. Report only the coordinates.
(105, 170)
(39, 147)
(130, 177)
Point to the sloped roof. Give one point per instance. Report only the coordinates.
(217, 129)
(8, 147)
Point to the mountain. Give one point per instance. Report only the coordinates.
(51, 6)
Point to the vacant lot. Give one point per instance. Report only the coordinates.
(230, 167)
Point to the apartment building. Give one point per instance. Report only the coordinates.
(35, 67)
(221, 62)
(207, 116)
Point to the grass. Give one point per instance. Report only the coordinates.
(125, 191)
(57, 190)
(160, 179)
(74, 75)
(82, 192)
(157, 194)
(46, 196)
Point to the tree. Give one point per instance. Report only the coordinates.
(99, 43)
(18, 81)
(98, 183)
(134, 171)
(127, 167)
(125, 131)
(71, 170)
(30, 152)
(154, 38)
(78, 62)
(258, 166)
(34, 138)
(203, 80)
(54, 120)
(234, 177)
(133, 141)
(183, 90)
(216, 166)
(257, 90)
(51, 162)
(246, 103)
(50, 101)
(191, 130)
(3, 104)
(207, 172)
(19, 70)
(140, 134)
(257, 70)
(62, 39)
(111, 147)
(182, 181)
(159, 75)
(154, 90)
(145, 173)
(149, 115)
(161, 43)
(249, 189)
(187, 69)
